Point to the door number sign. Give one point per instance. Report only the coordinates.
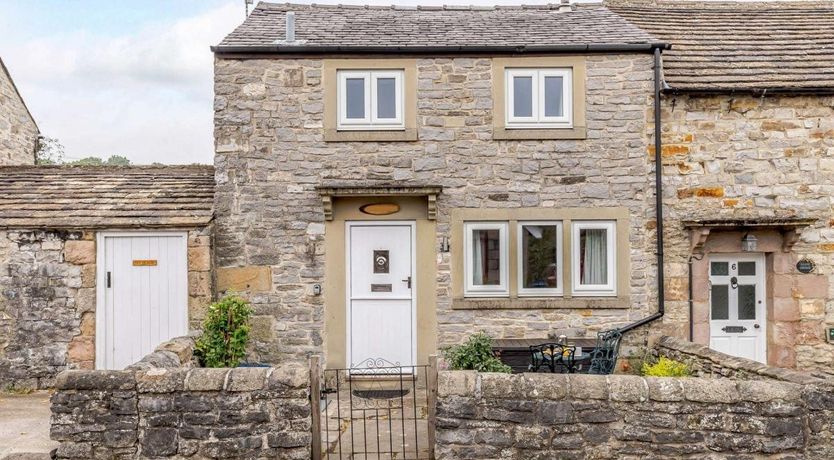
(381, 261)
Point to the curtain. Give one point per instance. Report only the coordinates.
(594, 257)
(477, 259)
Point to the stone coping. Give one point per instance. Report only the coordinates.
(619, 388)
(174, 353)
(161, 380)
(683, 350)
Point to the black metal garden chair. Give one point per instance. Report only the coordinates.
(556, 357)
(604, 356)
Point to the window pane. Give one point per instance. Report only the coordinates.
(747, 301)
(746, 268)
(386, 98)
(720, 301)
(355, 98)
(593, 256)
(539, 257)
(486, 258)
(553, 97)
(719, 268)
(523, 96)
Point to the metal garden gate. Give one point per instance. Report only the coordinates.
(376, 411)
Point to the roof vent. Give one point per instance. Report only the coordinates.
(290, 27)
(565, 6)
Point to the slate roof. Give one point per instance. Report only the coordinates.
(87, 197)
(779, 46)
(343, 28)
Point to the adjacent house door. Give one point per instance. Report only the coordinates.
(380, 294)
(737, 305)
(142, 295)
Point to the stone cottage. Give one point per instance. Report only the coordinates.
(391, 180)
(748, 159)
(18, 131)
(98, 265)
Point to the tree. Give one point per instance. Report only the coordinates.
(113, 160)
(50, 151)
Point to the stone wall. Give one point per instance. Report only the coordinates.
(183, 413)
(270, 156)
(18, 131)
(746, 157)
(609, 417)
(705, 362)
(48, 301)
(47, 305)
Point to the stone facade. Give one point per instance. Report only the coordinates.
(18, 131)
(48, 301)
(183, 413)
(754, 157)
(271, 154)
(538, 416)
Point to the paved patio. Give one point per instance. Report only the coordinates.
(24, 426)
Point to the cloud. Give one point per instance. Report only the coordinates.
(146, 95)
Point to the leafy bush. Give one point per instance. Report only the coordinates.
(225, 333)
(665, 367)
(475, 354)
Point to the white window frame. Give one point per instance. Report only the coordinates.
(610, 288)
(371, 121)
(540, 292)
(471, 289)
(538, 118)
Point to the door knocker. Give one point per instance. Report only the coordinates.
(734, 282)
(381, 261)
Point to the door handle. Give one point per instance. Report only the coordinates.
(407, 281)
(108, 280)
(756, 326)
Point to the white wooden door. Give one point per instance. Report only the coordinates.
(737, 305)
(380, 294)
(142, 295)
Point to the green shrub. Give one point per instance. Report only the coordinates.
(665, 367)
(475, 354)
(225, 333)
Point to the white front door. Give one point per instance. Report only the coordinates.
(142, 295)
(380, 297)
(737, 305)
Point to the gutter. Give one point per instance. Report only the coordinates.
(658, 176)
(458, 49)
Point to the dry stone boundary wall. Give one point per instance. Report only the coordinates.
(180, 412)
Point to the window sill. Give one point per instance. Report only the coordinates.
(520, 134)
(539, 303)
(402, 135)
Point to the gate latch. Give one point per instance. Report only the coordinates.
(734, 329)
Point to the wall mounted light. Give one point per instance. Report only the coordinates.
(749, 243)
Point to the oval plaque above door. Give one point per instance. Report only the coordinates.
(380, 209)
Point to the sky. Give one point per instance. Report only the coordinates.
(131, 78)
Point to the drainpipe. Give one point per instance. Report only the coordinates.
(691, 302)
(658, 175)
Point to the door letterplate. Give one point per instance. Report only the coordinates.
(380, 288)
(734, 329)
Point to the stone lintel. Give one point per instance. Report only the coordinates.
(328, 193)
